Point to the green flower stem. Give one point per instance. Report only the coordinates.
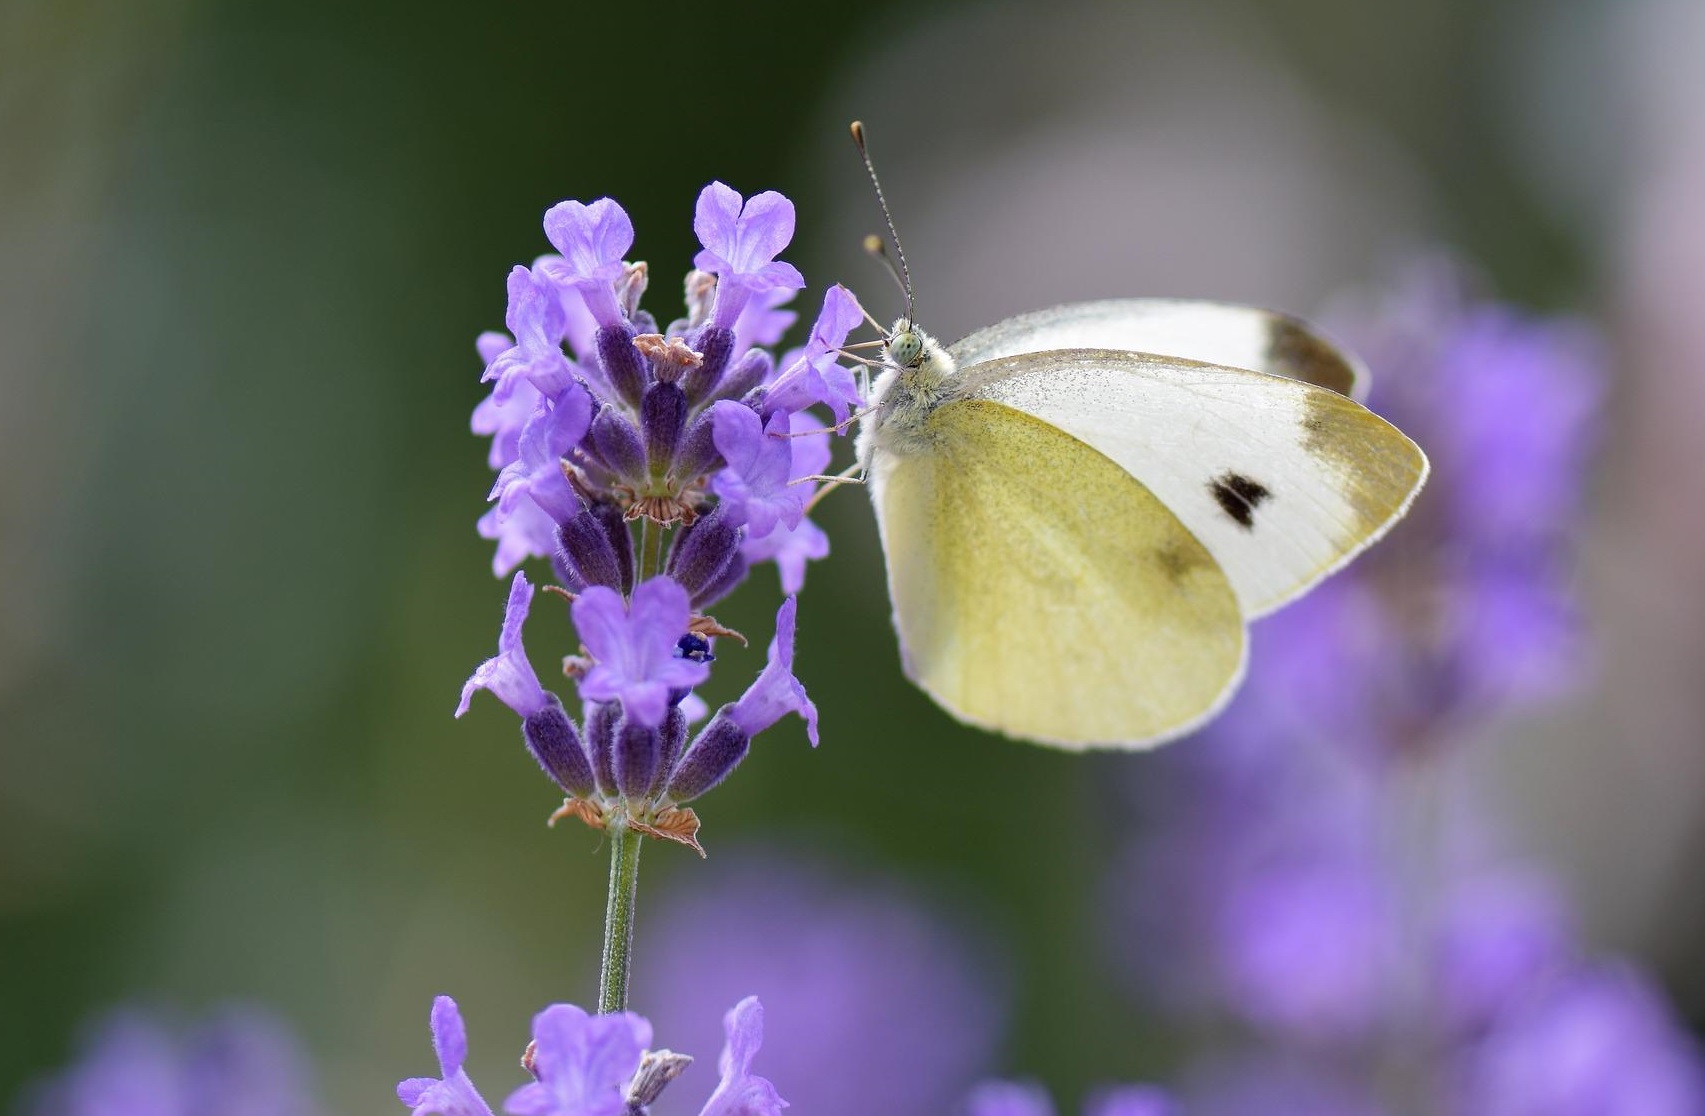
(618, 916)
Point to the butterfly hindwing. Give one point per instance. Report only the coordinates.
(1041, 590)
(1282, 482)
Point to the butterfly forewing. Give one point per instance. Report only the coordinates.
(1041, 590)
(1282, 482)
(1212, 332)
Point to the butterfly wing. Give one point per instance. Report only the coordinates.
(1042, 591)
(1213, 332)
(1283, 482)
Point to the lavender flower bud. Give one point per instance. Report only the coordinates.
(702, 551)
(752, 370)
(662, 417)
(622, 362)
(636, 758)
(555, 743)
(617, 443)
(698, 454)
(723, 583)
(715, 752)
(615, 526)
(587, 557)
(674, 740)
(717, 347)
(600, 723)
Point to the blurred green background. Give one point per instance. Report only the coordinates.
(245, 248)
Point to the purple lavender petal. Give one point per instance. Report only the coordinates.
(635, 648)
(526, 531)
(755, 486)
(453, 1094)
(790, 550)
(763, 321)
(592, 239)
(536, 475)
(741, 1092)
(777, 692)
(583, 1062)
(536, 319)
(813, 376)
(508, 674)
(741, 241)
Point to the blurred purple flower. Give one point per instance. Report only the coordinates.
(1007, 1098)
(240, 1062)
(1600, 1043)
(451, 1093)
(872, 1004)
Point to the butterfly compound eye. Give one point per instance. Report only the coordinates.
(904, 348)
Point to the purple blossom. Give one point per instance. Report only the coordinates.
(755, 485)
(741, 1092)
(536, 319)
(777, 692)
(508, 675)
(592, 239)
(1602, 1043)
(1501, 935)
(451, 1093)
(526, 531)
(873, 1004)
(503, 421)
(791, 547)
(583, 1063)
(1273, 1085)
(240, 1062)
(1009, 1098)
(1306, 946)
(536, 475)
(741, 241)
(634, 647)
(812, 376)
(765, 320)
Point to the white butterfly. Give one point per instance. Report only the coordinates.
(1081, 507)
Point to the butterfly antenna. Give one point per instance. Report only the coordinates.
(905, 275)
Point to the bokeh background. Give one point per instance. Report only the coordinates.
(245, 248)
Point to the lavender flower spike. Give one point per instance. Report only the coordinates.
(741, 1092)
(583, 1062)
(508, 675)
(741, 241)
(453, 1094)
(635, 648)
(777, 692)
(592, 239)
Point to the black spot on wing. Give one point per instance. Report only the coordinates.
(1238, 496)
